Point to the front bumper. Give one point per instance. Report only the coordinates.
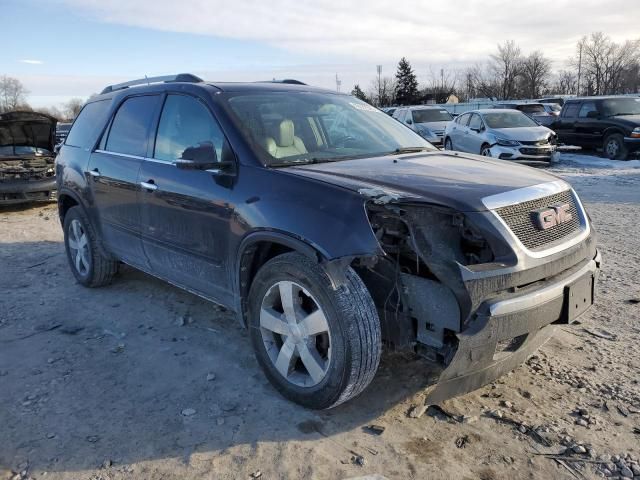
(632, 144)
(507, 329)
(24, 191)
(523, 153)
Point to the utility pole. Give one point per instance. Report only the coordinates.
(379, 69)
(338, 83)
(579, 68)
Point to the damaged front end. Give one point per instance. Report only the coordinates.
(27, 160)
(458, 288)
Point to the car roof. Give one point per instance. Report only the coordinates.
(492, 110)
(422, 107)
(599, 98)
(159, 84)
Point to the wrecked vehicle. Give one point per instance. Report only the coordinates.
(27, 172)
(325, 247)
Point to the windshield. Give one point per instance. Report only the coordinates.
(621, 106)
(431, 115)
(307, 127)
(506, 119)
(553, 107)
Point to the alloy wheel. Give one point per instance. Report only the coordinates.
(612, 148)
(295, 333)
(79, 247)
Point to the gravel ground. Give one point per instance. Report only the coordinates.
(142, 380)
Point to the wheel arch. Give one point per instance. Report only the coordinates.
(255, 250)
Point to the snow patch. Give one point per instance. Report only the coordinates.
(575, 159)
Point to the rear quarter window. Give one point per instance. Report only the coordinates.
(89, 120)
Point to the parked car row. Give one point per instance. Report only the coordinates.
(608, 123)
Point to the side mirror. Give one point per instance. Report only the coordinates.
(593, 114)
(199, 157)
(409, 121)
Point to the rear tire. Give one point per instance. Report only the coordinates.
(90, 267)
(319, 347)
(614, 147)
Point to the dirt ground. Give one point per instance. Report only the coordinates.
(142, 380)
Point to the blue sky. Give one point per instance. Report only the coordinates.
(75, 47)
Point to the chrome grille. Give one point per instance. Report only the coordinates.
(519, 218)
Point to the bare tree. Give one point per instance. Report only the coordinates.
(382, 91)
(506, 65)
(52, 111)
(72, 108)
(605, 62)
(535, 73)
(566, 83)
(12, 94)
(480, 82)
(441, 85)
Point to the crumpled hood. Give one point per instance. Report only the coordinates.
(26, 129)
(451, 179)
(526, 134)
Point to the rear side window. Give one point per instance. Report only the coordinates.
(186, 122)
(130, 127)
(90, 118)
(571, 110)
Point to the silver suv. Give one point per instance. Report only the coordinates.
(428, 122)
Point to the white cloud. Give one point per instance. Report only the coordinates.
(380, 30)
(32, 62)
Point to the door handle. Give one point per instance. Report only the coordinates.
(150, 185)
(95, 173)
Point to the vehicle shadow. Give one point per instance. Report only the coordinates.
(120, 373)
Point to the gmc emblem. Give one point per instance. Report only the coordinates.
(548, 217)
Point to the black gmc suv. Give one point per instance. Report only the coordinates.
(610, 123)
(328, 227)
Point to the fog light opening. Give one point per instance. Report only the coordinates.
(506, 347)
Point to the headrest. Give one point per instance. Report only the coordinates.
(285, 137)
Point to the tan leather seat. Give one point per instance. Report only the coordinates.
(286, 144)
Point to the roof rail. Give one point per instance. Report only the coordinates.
(180, 77)
(290, 81)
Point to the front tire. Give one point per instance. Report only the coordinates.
(317, 345)
(447, 144)
(485, 151)
(90, 267)
(614, 147)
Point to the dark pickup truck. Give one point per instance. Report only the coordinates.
(610, 123)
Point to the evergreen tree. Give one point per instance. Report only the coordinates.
(406, 84)
(358, 93)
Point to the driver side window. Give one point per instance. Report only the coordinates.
(475, 122)
(186, 122)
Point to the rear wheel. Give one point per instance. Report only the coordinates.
(318, 346)
(614, 147)
(90, 267)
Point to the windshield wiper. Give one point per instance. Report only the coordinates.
(303, 161)
(399, 151)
